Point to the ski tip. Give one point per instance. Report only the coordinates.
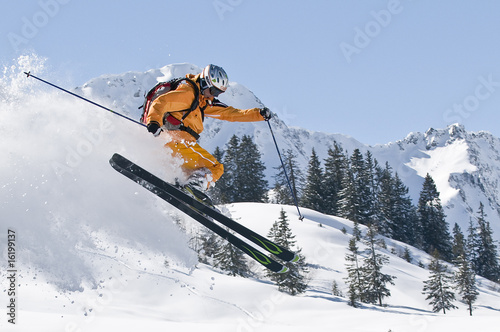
(295, 258)
(112, 159)
(283, 270)
(117, 158)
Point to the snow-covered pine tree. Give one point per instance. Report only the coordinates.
(335, 168)
(407, 255)
(249, 183)
(294, 281)
(438, 286)
(374, 288)
(473, 243)
(354, 277)
(230, 259)
(369, 177)
(207, 244)
(458, 247)
(385, 200)
(432, 218)
(465, 281)
(312, 196)
(347, 206)
(361, 188)
(336, 289)
(487, 264)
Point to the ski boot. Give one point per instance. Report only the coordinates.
(196, 186)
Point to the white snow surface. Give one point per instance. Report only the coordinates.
(440, 163)
(96, 252)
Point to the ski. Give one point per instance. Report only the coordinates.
(273, 248)
(137, 174)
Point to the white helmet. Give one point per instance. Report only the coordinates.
(216, 77)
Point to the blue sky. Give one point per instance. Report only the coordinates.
(373, 70)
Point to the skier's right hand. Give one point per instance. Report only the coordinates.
(154, 128)
(266, 113)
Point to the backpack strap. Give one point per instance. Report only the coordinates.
(190, 131)
(194, 105)
(196, 100)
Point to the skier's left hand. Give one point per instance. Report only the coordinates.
(266, 113)
(154, 128)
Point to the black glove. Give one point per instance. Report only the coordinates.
(154, 128)
(266, 113)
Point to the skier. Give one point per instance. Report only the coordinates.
(168, 112)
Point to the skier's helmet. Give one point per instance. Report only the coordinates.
(214, 77)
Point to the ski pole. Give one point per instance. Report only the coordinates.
(28, 74)
(284, 171)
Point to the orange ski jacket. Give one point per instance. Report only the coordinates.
(181, 99)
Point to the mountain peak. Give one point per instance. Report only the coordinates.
(457, 130)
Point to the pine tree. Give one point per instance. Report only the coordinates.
(249, 183)
(230, 259)
(294, 281)
(375, 288)
(354, 273)
(336, 289)
(403, 213)
(473, 244)
(407, 255)
(207, 246)
(335, 167)
(295, 176)
(312, 197)
(459, 246)
(465, 281)
(225, 185)
(487, 264)
(361, 188)
(356, 231)
(437, 287)
(219, 192)
(385, 201)
(347, 206)
(432, 218)
(369, 177)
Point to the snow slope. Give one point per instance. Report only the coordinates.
(96, 252)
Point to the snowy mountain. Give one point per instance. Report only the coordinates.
(96, 252)
(464, 165)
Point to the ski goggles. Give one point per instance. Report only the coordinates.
(214, 91)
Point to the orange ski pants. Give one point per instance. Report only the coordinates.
(196, 157)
